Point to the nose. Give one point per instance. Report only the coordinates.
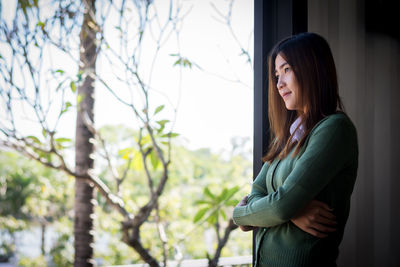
(280, 83)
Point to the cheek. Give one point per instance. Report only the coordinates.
(295, 86)
(293, 81)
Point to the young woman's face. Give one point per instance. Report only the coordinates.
(287, 83)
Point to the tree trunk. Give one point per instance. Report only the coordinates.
(84, 192)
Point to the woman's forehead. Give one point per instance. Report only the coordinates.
(280, 62)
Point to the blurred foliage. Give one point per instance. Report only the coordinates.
(61, 251)
(199, 180)
(39, 261)
(215, 205)
(225, 175)
(31, 196)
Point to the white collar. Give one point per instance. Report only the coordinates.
(300, 130)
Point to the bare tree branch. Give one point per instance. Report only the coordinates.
(42, 92)
(221, 243)
(227, 20)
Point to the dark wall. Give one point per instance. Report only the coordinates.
(367, 60)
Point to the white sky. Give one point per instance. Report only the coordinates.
(211, 110)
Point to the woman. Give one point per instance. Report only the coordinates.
(300, 200)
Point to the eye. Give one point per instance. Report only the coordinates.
(287, 69)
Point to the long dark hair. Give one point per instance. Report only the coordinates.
(312, 62)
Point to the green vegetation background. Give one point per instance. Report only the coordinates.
(197, 197)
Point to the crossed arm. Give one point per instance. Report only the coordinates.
(325, 155)
(316, 219)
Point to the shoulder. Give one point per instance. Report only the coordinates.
(335, 134)
(336, 122)
(336, 128)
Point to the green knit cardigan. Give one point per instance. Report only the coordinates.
(325, 170)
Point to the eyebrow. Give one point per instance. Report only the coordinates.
(283, 64)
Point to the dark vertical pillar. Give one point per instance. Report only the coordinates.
(273, 21)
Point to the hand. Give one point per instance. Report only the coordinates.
(316, 219)
(244, 228)
(242, 202)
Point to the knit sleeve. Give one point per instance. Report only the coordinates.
(329, 149)
(259, 188)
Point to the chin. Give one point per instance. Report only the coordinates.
(290, 107)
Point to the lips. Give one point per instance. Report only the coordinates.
(286, 94)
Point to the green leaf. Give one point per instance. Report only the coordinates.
(145, 141)
(178, 62)
(124, 153)
(200, 202)
(154, 159)
(48, 156)
(223, 214)
(34, 139)
(73, 86)
(160, 130)
(200, 214)
(162, 125)
(208, 193)
(173, 135)
(182, 61)
(170, 135)
(232, 192)
(158, 109)
(67, 106)
(62, 140)
(162, 122)
(41, 25)
(231, 203)
(223, 195)
(137, 162)
(213, 218)
(44, 132)
(187, 63)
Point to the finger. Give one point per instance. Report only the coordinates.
(323, 228)
(243, 201)
(316, 233)
(322, 205)
(326, 214)
(326, 221)
(246, 228)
